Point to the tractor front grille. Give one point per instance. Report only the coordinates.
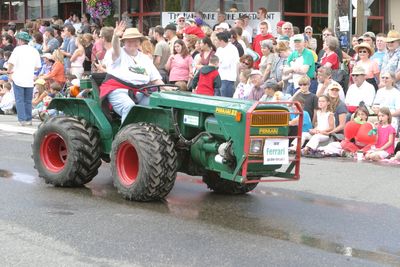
(270, 118)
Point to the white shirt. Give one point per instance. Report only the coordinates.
(247, 35)
(25, 59)
(228, 62)
(7, 101)
(137, 69)
(355, 94)
(389, 98)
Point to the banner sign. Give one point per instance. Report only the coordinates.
(211, 18)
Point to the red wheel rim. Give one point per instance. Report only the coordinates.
(53, 152)
(127, 163)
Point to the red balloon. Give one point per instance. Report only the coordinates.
(363, 137)
(351, 129)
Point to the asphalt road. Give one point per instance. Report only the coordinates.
(341, 213)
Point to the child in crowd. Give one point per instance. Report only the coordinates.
(386, 134)
(39, 93)
(7, 55)
(7, 100)
(294, 121)
(243, 88)
(54, 91)
(325, 122)
(207, 80)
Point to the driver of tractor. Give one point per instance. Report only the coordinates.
(128, 67)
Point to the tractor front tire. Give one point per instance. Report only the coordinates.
(143, 162)
(66, 151)
(222, 186)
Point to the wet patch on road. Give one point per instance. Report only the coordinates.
(5, 174)
(20, 177)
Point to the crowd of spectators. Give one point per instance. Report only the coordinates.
(240, 62)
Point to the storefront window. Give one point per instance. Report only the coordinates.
(176, 5)
(17, 10)
(318, 6)
(117, 8)
(33, 9)
(151, 5)
(375, 8)
(133, 6)
(272, 6)
(299, 7)
(206, 6)
(237, 6)
(50, 8)
(4, 11)
(150, 21)
(374, 25)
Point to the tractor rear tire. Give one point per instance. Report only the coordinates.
(66, 151)
(222, 186)
(143, 162)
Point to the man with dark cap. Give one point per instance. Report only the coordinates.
(170, 35)
(49, 42)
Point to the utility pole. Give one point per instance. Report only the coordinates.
(361, 21)
(339, 19)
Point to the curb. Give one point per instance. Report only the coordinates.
(17, 129)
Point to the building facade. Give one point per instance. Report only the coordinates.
(146, 13)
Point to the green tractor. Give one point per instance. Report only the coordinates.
(233, 144)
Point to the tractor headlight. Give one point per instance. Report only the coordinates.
(256, 146)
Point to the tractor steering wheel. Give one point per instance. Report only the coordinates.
(149, 89)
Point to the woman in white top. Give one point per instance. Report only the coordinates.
(77, 58)
(388, 96)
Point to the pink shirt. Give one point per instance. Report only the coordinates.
(179, 67)
(371, 68)
(383, 137)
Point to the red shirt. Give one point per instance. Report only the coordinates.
(332, 58)
(257, 46)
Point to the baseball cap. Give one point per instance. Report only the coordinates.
(171, 27)
(198, 21)
(4, 78)
(298, 37)
(280, 23)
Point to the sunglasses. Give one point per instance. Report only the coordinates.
(303, 84)
(356, 75)
(384, 78)
(308, 32)
(362, 51)
(390, 42)
(181, 20)
(327, 34)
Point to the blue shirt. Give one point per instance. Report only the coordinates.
(307, 125)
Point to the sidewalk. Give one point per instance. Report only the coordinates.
(9, 123)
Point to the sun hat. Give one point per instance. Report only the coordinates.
(358, 70)
(255, 72)
(333, 86)
(392, 36)
(132, 33)
(23, 36)
(364, 45)
(48, 56)
(40, 82)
